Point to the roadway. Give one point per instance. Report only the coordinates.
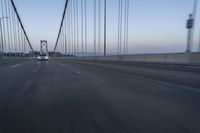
(71, 96)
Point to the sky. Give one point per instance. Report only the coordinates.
(155, 26)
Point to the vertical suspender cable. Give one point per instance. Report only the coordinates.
(7, 27)
(99, 15)
(94, 27)
(77, 24)
(22, 40)
(24, 44)
(199, 43)
(59, 45)
(125, 19)
(69, 31)
(62, 40)
(3, 28)
(120, 39)
(86, 27)
(14, 31)
(72, 29)
(11, 27)
(74, 22)
(127, 26)
(1, 32)
(105, 26)
(119, 11)
(82, 44)
(66, 44)
(18, 36)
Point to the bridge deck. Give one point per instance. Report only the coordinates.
(97, 97)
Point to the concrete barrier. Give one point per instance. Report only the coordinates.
(157, 58)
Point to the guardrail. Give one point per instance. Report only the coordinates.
(159, 58)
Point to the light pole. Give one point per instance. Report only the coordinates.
(189, 26)
(2, 36)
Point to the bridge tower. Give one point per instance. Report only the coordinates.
(43, 47)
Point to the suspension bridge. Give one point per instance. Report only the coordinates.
(83, 88)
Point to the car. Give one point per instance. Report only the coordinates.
(43, 57)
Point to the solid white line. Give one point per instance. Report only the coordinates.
(158, 81)
(37, 69)
(60, 64)
(14, 66)
(175, 85)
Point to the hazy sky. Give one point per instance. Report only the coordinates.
(155, 25)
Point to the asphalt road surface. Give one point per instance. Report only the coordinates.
(71, 96)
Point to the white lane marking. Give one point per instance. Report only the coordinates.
(193, 89)
(37, 69)
(175, 85)
(14, 66)
(78, 73)
(63, 65)
(60, 64)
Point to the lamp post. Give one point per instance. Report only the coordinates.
(189, 26)
(2, 36)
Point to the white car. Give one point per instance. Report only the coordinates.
(43, 57)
